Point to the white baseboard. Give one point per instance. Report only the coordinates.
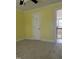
(42, 39)
(19, 39)
(48, 40)
(30, 38)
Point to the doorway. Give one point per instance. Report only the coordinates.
(36, 26)
(59, 25)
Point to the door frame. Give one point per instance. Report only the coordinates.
(33, 29)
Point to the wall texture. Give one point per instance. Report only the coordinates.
(47, 22)
(20, 24)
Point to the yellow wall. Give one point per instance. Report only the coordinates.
(20, 24)
(47, 21)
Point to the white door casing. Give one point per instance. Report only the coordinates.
(36, 26)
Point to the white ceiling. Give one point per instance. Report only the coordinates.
(30, 5)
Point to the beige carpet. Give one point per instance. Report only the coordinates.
(32, 49)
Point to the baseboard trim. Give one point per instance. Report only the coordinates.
(19, 40)
(48, 40)
(44, 40)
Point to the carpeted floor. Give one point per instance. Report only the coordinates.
(33, 49)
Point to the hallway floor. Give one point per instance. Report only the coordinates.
(33, 49)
